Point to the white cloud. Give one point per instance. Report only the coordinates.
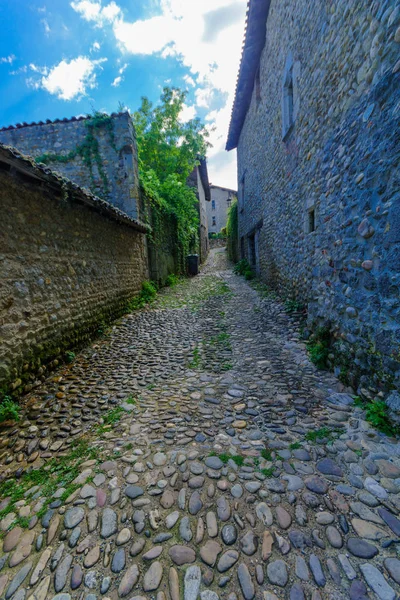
(203, 35)
(189, 80)
(116, 81)
(46, 26)
(95, 47)
(95, 12)
(7, 59)
(68, 80)
(187, 113)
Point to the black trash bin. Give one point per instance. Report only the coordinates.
(193, 264)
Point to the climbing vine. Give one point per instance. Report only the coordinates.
(88, 150)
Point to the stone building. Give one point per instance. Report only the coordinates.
(217, 209)
(98, 153)
(199, 181)
(69, 261)
(315, 122)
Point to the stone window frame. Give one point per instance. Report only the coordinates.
(290, 95)
(310, 221)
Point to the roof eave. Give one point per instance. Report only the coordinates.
(254, 41)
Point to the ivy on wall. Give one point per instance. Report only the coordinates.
(88, 150)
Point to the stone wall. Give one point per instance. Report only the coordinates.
(163, 251)
(68, 264)
(319, 208)
(218, 207)
(107, 166)
(201, 192)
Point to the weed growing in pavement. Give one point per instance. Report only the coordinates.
(266, 454)
(267, 472)
(294, 446)
(9, 410)
(225, 458)
(376, 413)
(113, 416)
(324, 432)
(58, 472)
(69, 356)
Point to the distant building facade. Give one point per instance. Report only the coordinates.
(217, 209)
(199, 181)
(315, 124)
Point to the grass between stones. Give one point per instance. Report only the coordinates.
(225, 458)
(323, 433)
(41, 483)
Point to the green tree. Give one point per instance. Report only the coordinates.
(168, 151)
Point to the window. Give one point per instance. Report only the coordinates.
(311, 220)
(290, 100)
(229, 202)
(214, 222)
(212, 204)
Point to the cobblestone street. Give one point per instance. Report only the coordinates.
(195, 451)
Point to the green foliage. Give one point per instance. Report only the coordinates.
(69, 356)
(294, 446)
(318, 347)
(266, 454)
(226, 366)
(359, 402)
(232, 232)
(168, 152)
(9, 410)
(113, 416)
(146, 296)
(268, 472)
(318, 434)
(322, 433)
(59, 471)
(344, 375)
(225, 458)
(377, 414)
(88, 150)
(172, 280)
(241, 267)
(131, 400)
(292, 305)
(102, 328)
(218, 236)
(196, 360)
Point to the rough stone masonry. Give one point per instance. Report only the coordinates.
(69, 261)
(97, 152)
(316, 126)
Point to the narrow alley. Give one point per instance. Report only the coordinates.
(193, 450)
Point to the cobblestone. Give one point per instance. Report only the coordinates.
(178, 499)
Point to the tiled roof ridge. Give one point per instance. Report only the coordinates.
(253, 43)
(41, 171)
(51, 122)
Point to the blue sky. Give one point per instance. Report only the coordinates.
(68, 57)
